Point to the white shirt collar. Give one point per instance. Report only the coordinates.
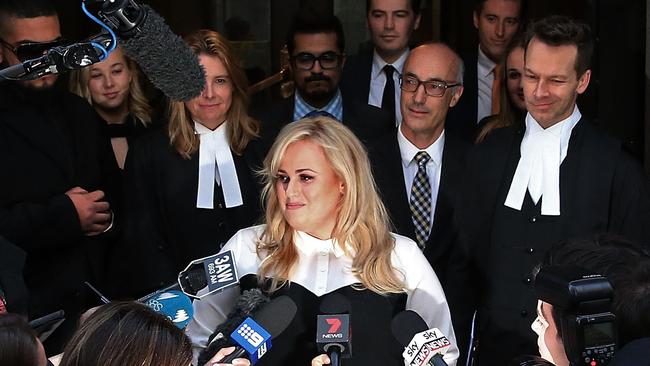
(378, 63)
(408, 150)
(310, 244)
(485, 65)
(216, 165)
(538, 170)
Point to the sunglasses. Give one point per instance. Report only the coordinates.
(30, 50)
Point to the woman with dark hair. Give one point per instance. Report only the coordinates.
(127, 334)
(192, 186)
(19, 345)
(511, 100)
(327, 232)
(113, 87)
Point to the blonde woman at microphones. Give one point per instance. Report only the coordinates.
(327, 231)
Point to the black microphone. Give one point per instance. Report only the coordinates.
(333, 328)
(423, 346)
(273, 316)
(163, 56)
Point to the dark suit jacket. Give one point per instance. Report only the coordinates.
(461, 120)
(366, 121)
(355, 80)
(389, 175)
(50, 143)
(602, 189)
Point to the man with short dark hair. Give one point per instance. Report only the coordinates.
(57, 172)
(527, 187)
(627, 267)
(316, 49)
(497, 21)
(373, 78)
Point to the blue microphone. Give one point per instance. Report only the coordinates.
(174, 305)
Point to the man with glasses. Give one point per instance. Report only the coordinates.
(417, 168)
(316, 48)
(57, 171)
(373, 77)
(528, 187)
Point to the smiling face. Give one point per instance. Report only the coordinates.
(109, 82)
(497, 23)
(551, 83)
(424, 115)
(29, 30)
(212, 106)
(309, 190)
(391, 23)
(514, 74)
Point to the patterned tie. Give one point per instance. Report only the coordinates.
(421, 200)
(496, 89)
(388, 98)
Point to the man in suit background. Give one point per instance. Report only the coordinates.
(496, 21)
(528, 187)
(373, 78)
(418, 167)
(58, 171)
(316, 48)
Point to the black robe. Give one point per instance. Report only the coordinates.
(602, 190)
(164, 230)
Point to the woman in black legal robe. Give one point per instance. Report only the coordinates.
(191, 186)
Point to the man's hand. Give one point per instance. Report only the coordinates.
(94, 213)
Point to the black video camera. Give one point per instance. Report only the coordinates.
(584, 301)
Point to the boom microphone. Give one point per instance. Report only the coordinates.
(163, 56)
(423, 346)
(333, 328)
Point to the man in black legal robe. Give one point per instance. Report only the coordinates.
(528, 187)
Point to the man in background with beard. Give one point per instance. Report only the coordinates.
(57, 173)
(316, 48)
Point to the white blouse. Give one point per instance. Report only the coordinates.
(322, 268)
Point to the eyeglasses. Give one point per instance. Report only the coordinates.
(433, 88)
(327, 60)
(30, 50)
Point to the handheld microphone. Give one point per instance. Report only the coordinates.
(174, 305)
(254, 336)
(333, 328)
(423, 346)
(216, 272)
(163, 56)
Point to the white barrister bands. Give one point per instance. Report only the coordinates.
(216, 165)
(538, 170)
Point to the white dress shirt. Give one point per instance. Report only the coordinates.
(216, 165)
(410, 166)
(485, 76)
(538, 170)
(323, 267)
(378, 82)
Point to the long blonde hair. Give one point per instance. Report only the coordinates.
(138, 104)
(241, 128)
(362, 222)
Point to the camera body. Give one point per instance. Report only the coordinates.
(584, 300)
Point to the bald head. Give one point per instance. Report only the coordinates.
(433, 67)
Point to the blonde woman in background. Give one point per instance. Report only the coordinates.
(113, 88)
